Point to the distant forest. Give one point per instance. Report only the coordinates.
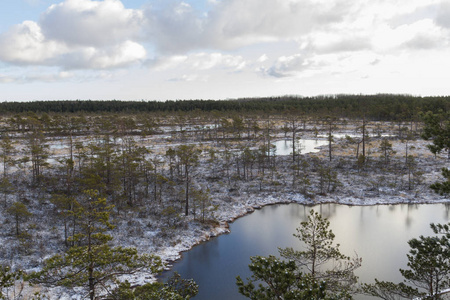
(373, 107)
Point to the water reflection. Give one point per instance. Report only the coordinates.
(447, 210)
(378, 234)
(284, 147)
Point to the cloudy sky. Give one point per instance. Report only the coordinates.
(220, 49)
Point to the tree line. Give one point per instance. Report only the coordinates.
(375, 107)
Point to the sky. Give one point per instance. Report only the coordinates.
(221, 49)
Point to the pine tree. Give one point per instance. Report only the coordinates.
(321, 271)
(92, 262)
(8, 280)
(386, 150)
(279, 280)
(428, 276)
(188, 157)
(36, 147)
(20, 213)
(322, 258)
(175, 288)
(442, 188)
(437, 128)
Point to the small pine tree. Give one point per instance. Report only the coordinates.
(442, 188)
(386, 150)
(279, 280)
(8, 280)
(320, 252)
(428, 276)
(92, 263)
(20, 213)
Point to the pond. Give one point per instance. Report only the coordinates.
(378, 234)
(284, 147)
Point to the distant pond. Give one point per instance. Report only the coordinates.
(284, 147)
(378, 234)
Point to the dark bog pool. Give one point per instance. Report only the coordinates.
(378, 234)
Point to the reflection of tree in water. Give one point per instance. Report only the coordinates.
(447, 211)
(206, 254)
(378, 211)
(327, 210)
(361, 217)
(408, 219)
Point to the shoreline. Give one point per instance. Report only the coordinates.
(224, 228)
(176, 253)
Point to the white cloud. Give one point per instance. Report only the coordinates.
(243, 22)
(47, 77)
(423, 42)
(191, 78)
(91, 23)
(207, 40)
(233, 23)
(287, 66)
(200, 62)
(105, 34)
(322, 26)
(175, 28)
(443, 17)
(263, 58)
(7, 79)
(423, 34)
(327, 42)
(36, 77)
(25, 44)
(167, 62)
(206, 61)
(77, 34)
(116, 56)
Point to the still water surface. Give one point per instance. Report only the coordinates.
(284, 147)
(378, 234)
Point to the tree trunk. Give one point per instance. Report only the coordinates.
(17, 224)
(187, 190)
(293, 144)
(91, 266)
(364, 139)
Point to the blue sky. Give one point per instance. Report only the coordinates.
(220, 49)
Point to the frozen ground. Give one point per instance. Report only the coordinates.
(355, 189)
(374, 185)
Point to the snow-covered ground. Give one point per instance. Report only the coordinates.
(375, 184)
